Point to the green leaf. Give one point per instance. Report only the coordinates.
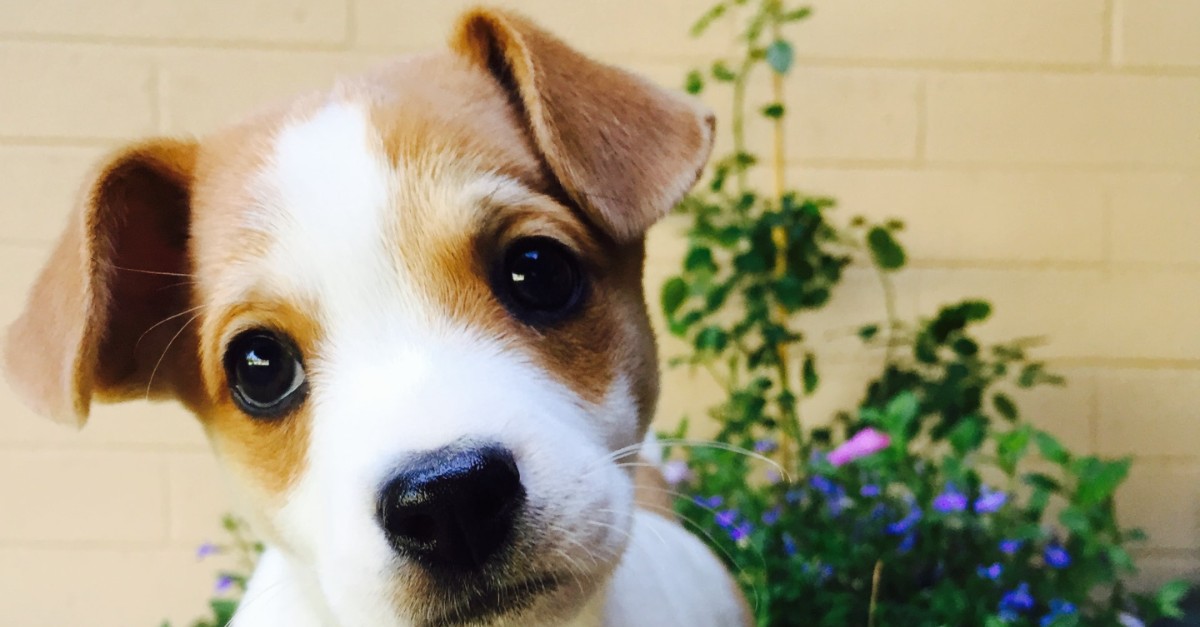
(968, 434)
(1101, 479)
(700, 259)
(1120, 558)
(965, 347)
(223, 609)
(1169, 597)
(1051, 448)
(1005, 406)
(707, 19)
(886, 251)
(1042, 481)
(774, 110)
(900, 412)
(674, 292)
(694, 83)
(796, 15)
(1075, 520)
(1038, 501)
(1036, 374)
(712, 339)
(975, 310)
(780, 56)
(1011, 447)
(722, 73)
(867, 332)
(811, 378)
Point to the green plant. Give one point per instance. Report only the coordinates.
(940, 505)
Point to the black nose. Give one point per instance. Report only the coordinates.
(452, 508)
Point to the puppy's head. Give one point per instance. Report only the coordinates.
(408, 312)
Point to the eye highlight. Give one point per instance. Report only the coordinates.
(539, 280)
(266, 377)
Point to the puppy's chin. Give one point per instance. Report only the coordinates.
(544, 582)
(525, 600)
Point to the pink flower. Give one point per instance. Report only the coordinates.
(866, 442)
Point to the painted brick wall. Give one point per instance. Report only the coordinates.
(1046, 155)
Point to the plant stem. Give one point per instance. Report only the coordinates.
(875, 577)
(738, 125)
(893, 320)
(780, 238)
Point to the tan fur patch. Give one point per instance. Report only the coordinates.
(273, 451)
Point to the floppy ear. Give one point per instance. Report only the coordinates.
(623, 149)
(120, 268)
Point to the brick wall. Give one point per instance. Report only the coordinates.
(1046, 155)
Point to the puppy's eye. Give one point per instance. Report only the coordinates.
(540, 280)
(264, 373)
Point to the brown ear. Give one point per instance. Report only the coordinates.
(622, 148)
(120, 267)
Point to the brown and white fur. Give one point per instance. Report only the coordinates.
(364, 223)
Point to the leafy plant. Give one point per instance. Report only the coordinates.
(941, 505)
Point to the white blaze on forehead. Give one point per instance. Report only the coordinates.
(330, 192)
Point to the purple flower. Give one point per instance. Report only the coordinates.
(990, 501)
(741, 532)
(950, 501)
(765, 447)
(726, 519)
(711, 502)
(834, 494)
(907, 543)
(1058, 608)
(676, 472)
(904, 524)
(208, 549)
(823, 485)
(789, 544)
(992, 572)
(1016, 602)
(1057, 556)
(773, 476)
(1010, 547)
(224, 583)
(771, 516)
(870, 490)
(864, 443)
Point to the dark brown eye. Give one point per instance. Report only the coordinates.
(540, 280)
(264, 372)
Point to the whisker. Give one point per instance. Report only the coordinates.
(616, 455)
(150, 382)
(164, 320)
(153, 272)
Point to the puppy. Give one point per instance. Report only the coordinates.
(409, 313)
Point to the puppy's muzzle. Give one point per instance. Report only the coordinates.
(452, 509)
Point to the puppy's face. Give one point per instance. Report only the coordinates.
(408, 312)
